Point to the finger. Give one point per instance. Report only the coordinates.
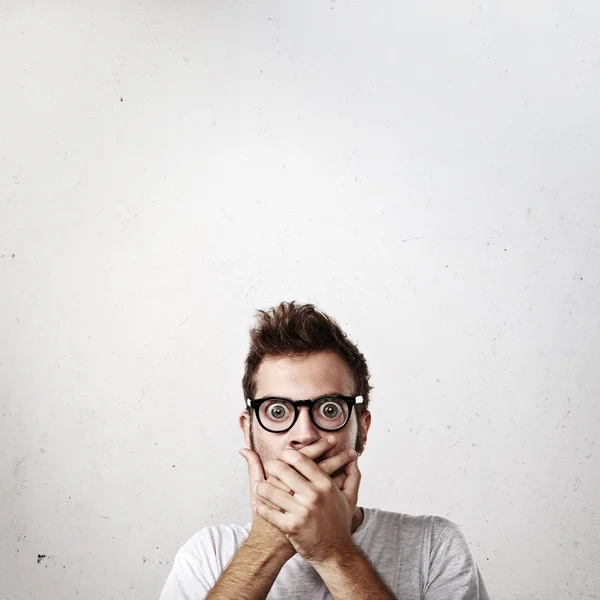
(270, 504)
(279, 484)
(339, 480)
(318, 448)
(272, 516)
(255, 469)
(352, 483)
(332, 464)
(255, 473)
(288, 475)
(312, 451)
(282, 500)
(274, 481)
(304, 467)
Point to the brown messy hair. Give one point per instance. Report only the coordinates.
(291, 330)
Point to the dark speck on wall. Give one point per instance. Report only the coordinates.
(40, 558)
(13, 255)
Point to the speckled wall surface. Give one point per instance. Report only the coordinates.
(426, 174)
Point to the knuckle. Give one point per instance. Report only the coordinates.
(303, 514)
(326, 488)
(294, 527)
(313, 498)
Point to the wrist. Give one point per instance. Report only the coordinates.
(265, 547)
(337, 559)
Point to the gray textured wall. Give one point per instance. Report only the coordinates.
(428, 175)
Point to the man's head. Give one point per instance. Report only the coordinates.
(299, 353)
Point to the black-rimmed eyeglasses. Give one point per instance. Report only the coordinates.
(328, 413)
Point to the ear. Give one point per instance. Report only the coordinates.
(245, 427)
(365, 423)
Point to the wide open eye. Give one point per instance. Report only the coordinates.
(276, 413)
(330, 412)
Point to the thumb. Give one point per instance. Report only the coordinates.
(255, 469)
(352, 482)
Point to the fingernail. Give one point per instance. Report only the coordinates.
(256, 485)
(352, 453)
(331, 439)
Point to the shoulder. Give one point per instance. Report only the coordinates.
(448, 567)
(220, 541)
(201, 560)
(435, 531)
(425, 534)
(432, 527)
(440, 528)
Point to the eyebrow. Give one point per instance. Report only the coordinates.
(290, 400)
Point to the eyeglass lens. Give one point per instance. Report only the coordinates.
(329, 413)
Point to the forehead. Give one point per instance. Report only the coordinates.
(304, 377)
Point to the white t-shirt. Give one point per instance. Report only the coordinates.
(418, 557)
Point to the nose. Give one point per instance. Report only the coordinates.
(304, 431)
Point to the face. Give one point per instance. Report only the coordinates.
(300, 379)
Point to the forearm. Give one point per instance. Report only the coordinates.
(250, 575)
(351, 576)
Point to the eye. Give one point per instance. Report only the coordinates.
(330, 409)
(277, 411)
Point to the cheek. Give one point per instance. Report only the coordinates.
(351, 431)
(345, 439)
(268, 449)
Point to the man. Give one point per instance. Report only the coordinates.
(306, 421)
